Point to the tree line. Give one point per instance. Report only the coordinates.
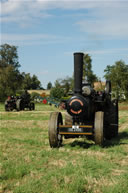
(64, 86)
(12, 80)
(116, 73)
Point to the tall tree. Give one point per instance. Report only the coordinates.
(10, 77)
(26, 83)
(118, 74)
(35, 83)
(9, 56)
(87, 69)
(30, 82)
(49, 85)
(57, 92)
(66, 84)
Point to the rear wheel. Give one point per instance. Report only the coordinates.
(19, 105)
(98, 128)
(111, 120)
(33, 106)
(55, 139)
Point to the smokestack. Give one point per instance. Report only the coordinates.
(78, 72)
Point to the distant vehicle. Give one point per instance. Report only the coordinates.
(22, 104)
(19, 103)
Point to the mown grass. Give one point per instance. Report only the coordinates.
(29, 165)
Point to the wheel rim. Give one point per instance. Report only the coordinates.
(98, 128)
(55, 139)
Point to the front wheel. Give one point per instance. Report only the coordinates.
(32, 106)
(98, 128)
(6, 108)
(55, 139)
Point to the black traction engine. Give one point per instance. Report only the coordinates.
(89, 113)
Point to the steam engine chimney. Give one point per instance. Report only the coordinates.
(78, 72)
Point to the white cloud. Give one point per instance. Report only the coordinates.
(109, 20)
(10, 6)
(104, 18)
(32, 39)
(121, 51)
(109, 51)
(22, 12)
(14, 6)
(109, 28)
(38, 8)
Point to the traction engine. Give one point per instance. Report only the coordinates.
(89, 113)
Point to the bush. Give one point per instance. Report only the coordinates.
(57, 92)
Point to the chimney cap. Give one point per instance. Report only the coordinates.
(81, 53)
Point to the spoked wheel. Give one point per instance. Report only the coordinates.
(55, 139)
(98, 128)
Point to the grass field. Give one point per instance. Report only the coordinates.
(29, 165)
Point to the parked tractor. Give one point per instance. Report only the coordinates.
(24, 102)
(19, 103)
(89, 113)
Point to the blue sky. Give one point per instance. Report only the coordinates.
(47, 34)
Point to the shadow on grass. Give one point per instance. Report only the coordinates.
(82, 144)
(85, 144)
(117, 140)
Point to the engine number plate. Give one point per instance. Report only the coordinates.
(75, 129)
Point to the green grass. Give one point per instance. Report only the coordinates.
(1, 107)
(24, 116)
(29, 165)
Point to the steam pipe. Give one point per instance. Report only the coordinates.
(78, 72)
